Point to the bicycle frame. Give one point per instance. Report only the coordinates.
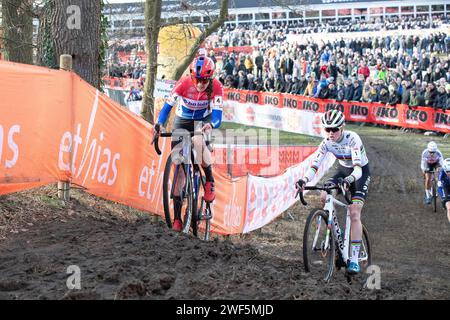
(333, 224)
(186, 159)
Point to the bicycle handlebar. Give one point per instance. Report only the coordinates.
(327, 189)
(155, 141)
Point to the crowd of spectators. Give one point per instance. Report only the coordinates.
(254, 34)
(406, 69)
(125, 59)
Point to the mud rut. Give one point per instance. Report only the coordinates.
(122, 258)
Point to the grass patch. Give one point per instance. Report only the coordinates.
(285, 138)
(417, 141)
(52, 202)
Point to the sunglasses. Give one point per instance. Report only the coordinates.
(200, 80)
(332, 129)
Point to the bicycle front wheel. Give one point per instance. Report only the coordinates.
(434, 194)
(318, 245)
(175, 178)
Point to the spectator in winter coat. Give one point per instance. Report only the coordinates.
(357, 93)
(441, 99)
(430, 95)
(384, 96)
(364, 70)
(394, 97)
(348, 90)
(415, 99)
(373, 95)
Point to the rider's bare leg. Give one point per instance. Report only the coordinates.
(447, 205)
(428, 184)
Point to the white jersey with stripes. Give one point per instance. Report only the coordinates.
(349, 151)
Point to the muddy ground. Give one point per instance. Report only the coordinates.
(123, 254)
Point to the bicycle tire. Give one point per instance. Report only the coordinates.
(434, 195)
(166, 192)
(166, 198)
(367, 246)
(308, 259)
(188, 220)
(195, 217)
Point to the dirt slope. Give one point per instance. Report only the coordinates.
(123, 254)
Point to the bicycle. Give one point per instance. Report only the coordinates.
(320, 249)
(190, 190)
(433, 189)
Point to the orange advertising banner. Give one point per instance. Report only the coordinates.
(61, 128)
(54, 126)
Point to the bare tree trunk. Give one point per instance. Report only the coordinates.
(152, 26)
(75, 30)
(46, 55)
(198, 41)
(17, 23)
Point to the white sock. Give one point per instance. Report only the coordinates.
(428, 193)
(356, 245)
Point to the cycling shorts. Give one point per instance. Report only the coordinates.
(360, 188)
(188, 125)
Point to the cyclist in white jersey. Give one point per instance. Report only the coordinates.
(353, 171)
(431, 159)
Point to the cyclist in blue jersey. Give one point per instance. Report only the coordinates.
(444, 186)
(199, 99)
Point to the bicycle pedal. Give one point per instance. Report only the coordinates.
(206, 216)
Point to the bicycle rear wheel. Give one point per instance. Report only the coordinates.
(318, 251)
(365, 253)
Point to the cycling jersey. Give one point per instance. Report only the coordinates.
(443, 186)
(192, 104)
(349, 151)
(430, 160)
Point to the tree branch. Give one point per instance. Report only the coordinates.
(198, 41)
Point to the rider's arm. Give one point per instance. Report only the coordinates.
(356, 149)
(170, 102)
(441, 159)
(318, 158)
(423, 163)
(217, 105)
(164, 114)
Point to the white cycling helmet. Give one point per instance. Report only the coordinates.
(446, 165)
(432, 146)
(332, 119)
